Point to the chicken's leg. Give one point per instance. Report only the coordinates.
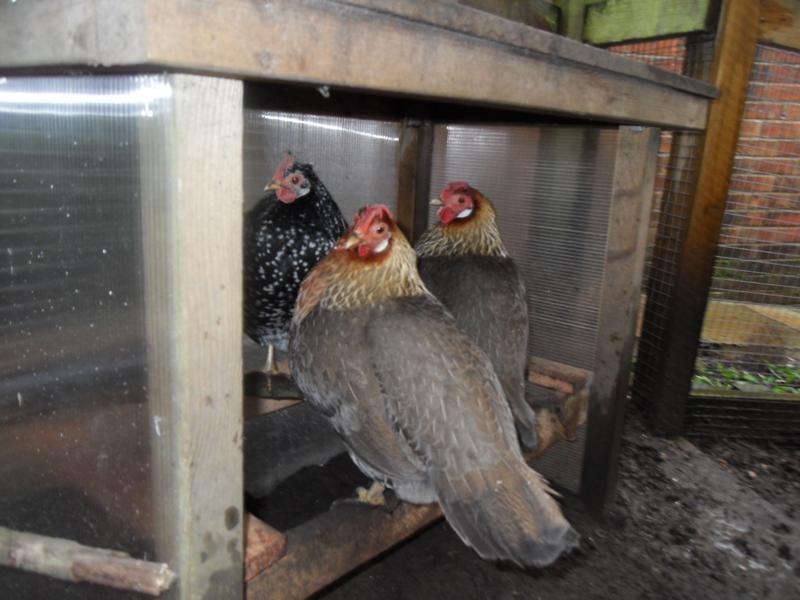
(270, 381)
(270, 368)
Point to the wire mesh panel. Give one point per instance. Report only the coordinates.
(689, 55)
(74, 425)
(751, 331)
(551, 187)
(749, 343)
(675, 177)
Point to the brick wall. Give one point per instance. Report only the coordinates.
(759, 256)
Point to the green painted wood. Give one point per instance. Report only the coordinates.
(615, 21)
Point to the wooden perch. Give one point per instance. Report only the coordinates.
(71, 561)
(264, 546)
(340, 540)
(557, 376)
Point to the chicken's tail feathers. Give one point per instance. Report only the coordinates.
(506, 513)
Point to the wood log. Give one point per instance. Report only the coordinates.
(71, 561)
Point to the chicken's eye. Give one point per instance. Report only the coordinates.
(295, 179)
(380, 229)
(461, 200)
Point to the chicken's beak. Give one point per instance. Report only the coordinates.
(351, 241)
(273, 185)
(436, 202)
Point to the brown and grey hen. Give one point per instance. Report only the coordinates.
(416, 402)
(463, 261)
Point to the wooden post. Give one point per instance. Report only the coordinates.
(414, 176)
(192, 229)
(733, 61)
(780, 23)
(632, 196)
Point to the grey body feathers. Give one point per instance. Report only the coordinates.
(421, 409)
(486, 296)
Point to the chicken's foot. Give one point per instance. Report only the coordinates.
(376, 495)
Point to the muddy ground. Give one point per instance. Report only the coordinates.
(701, 520)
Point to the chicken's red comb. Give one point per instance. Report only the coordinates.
(457, 186)
(373, 212)
(288, 161)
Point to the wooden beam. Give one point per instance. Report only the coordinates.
(449, 53)
(264, 546)
(335, 543)
(541, 14)
(731, 68)
(192, 226)
(614, 21)
(414, 175)
(632, 196)
(780, 23)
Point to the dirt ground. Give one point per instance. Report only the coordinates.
(703, 520)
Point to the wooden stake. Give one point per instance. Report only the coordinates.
(71, 561)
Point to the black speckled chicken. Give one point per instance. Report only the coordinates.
(416, 402)
(463, 262)
(288, 232)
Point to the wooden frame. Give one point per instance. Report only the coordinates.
(632, 197)
(192, 227)
(434, 52)
(448, 52)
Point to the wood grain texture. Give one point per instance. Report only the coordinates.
(632, 197)
(541, 14)
(433, 50)
(71, 561)
(733, 61)
(780, 23)
(192, 227)
(334, 543)
(342, 539)
(415, 156)
(264, 546)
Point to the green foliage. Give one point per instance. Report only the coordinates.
(777, 379)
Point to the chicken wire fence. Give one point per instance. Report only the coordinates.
(676, 171)
(751, 331)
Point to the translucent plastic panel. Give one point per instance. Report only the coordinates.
(551, 187)
(74, 450)
(355, 158)
(552, 190)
